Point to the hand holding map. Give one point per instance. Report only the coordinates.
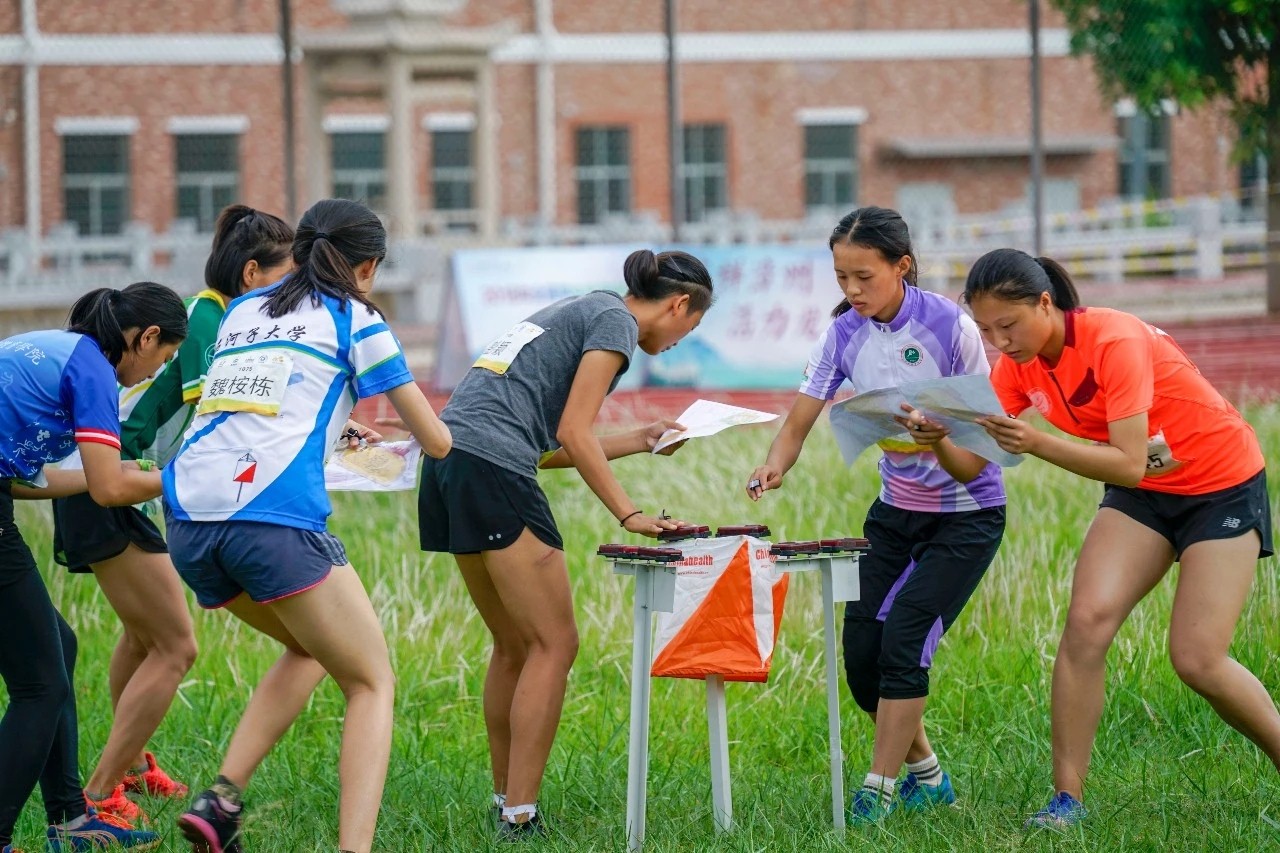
(705, 417)
(386, 467)
(954, 402)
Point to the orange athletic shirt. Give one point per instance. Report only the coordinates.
(1113, 366)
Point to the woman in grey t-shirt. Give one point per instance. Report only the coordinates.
(530, 402)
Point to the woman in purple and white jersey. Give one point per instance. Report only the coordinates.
(941, 512)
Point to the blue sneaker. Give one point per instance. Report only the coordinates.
(867, 807)
(99, 832)
(915, 797)
(1063, 811)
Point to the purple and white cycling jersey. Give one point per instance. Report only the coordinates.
(931, 337)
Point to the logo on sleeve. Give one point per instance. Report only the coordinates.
(911, 354)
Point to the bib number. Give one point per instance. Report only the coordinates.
(499, 355)
(248, 382)
(1160, 459)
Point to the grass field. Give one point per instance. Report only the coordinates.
(1167, 774)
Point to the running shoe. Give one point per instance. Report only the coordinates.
(153, 781)
(915, 797)
(210, 827)
(1063, 811)
(867, 807)
(99, 832)
(119, 805)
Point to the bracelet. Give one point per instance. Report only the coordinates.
(145, 464)
(622, 522)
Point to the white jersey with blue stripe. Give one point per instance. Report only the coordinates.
(244, 465)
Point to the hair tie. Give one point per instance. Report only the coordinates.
(320, 234)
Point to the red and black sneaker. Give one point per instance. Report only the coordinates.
(211, 826)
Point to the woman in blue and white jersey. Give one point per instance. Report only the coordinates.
(246, 507)
(58, 393)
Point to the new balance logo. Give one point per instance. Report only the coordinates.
(1231, 522)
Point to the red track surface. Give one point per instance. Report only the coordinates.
(1240, 357)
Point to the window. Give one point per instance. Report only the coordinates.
(706, 185)
(1144, 155)
(359, 167)
(453, 173)
(95, 182)
(830, 167)
(1061, 195)
(925, 203)
(208, 172)
(604, 173)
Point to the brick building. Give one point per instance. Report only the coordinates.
(522, 111)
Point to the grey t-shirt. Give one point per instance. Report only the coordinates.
(511, 418)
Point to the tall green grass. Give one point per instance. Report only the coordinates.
(1167, 774)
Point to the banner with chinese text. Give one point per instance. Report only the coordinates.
(772, 304)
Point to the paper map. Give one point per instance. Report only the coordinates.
(953, 401)
(386, 467)
(704, 418)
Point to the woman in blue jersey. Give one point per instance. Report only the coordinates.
(122, 546)
(529, 402)
(939, 518)
(59, 394)
(246, 508)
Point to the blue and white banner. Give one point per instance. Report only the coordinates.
(772, 304)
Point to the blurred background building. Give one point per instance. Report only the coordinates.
(126, 125)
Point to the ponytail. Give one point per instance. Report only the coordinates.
(333, 238)
(1015, 276)
(241, 235)
(655, 277)
(105, 315)
(1061, 287)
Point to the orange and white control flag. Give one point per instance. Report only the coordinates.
(729, 598)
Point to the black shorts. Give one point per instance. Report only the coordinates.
(85, 533)
(467, 505)
(1187, 519)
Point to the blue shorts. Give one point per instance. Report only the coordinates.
(221, 559)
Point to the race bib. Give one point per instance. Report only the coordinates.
(499, 354)
(1160, 459)
(247, 382)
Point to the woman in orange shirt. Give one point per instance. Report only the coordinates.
(1185, 481)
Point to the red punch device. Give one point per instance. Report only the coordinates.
(689, 531)
(759, 531)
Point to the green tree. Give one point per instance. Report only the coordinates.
(1197, 53)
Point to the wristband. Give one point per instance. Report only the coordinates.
(622, 522)
(145, 464)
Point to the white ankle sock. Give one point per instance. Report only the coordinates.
(881, 786)
(499, 800)
(511, 814)
(927, 771)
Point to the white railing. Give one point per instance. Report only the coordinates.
(1204, 237)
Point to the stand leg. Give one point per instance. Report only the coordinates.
(833, 698)
(718, 736)
(638, 751)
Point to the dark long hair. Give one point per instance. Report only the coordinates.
(876, 228)
(334, 237)
(242, 235)
(105, 314)
(654, 277)
(1015, 276)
